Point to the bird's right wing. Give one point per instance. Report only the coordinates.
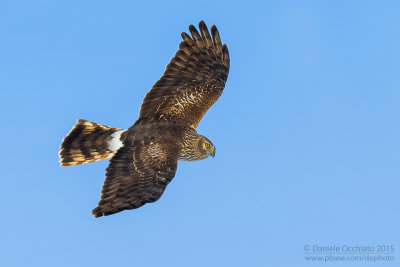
(137, 174)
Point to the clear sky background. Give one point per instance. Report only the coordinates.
(307, 132)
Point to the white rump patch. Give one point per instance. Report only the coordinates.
(115, 142)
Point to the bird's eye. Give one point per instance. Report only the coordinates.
(207, 145)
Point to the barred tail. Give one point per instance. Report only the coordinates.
(89, 142)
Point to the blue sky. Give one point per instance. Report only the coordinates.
(307, 132)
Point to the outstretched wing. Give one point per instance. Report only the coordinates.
(193, 80)
(137, 175)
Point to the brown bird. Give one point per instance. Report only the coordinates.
(144, 158)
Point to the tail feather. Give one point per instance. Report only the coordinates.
(89, 142)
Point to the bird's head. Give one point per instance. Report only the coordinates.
(206, 146)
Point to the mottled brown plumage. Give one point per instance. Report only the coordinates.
(144, 157)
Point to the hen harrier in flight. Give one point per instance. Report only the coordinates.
(144, 158)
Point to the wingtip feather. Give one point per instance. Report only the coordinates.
(96, 212)
(225, 54)
(205, 34)
(196, 36)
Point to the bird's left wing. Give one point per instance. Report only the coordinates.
(137, 174)
(192, 81)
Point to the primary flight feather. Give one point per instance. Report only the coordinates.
(144, 158)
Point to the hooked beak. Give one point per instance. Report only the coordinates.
(213, 152)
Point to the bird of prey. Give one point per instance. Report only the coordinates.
(144, 158)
